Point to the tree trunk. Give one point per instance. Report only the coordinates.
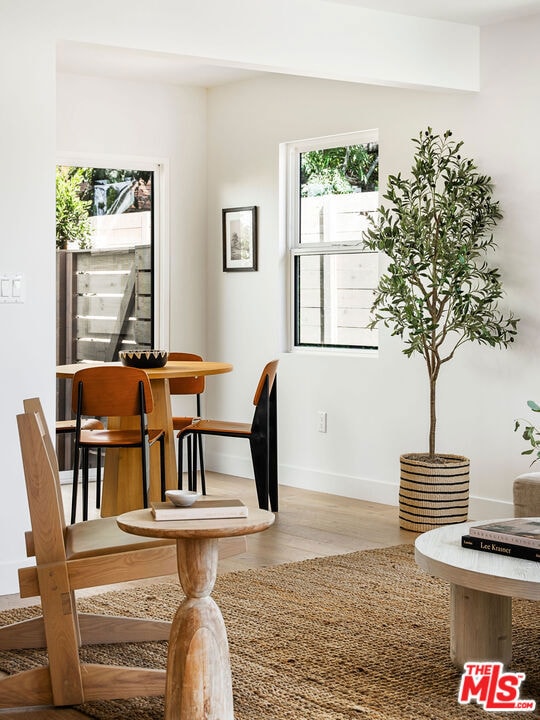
(432, 413)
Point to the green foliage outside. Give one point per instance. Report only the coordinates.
(109, 177)
(72, 213)
(530, 433)
(75, 196)
(339, 170)
(439, 291)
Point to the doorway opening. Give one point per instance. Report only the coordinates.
(106, 268)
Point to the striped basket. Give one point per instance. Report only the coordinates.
(433, 494)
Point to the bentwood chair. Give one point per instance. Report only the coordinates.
(70, 558)
(114, 391)
(189, 386)
(261, 433)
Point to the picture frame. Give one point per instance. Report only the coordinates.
(239, 239)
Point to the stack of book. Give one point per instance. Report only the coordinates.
(206, 508)
(519, 537)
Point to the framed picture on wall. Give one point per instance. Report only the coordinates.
(239, 239)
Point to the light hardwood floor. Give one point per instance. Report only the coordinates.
(308, 524)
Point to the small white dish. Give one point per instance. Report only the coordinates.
(182, 498)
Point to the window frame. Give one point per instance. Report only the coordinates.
(290, 153)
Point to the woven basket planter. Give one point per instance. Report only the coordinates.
(433, 494)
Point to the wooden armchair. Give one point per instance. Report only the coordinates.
(70, 558)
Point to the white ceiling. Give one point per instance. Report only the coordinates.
(123, 63)
(104, 61)
(471, 12)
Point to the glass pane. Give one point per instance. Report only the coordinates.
(105, 277)
(338, 189)
(334, 294)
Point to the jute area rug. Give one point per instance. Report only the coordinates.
(360, 636)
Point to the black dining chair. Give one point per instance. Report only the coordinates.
(261, 433)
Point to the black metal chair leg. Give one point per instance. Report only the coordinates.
(98, 479)
(259, 456)
(180, 463)
(162, 465)
(194, 467)
(145, 462)
(85, 484)
(75, 484)
(189, 463)
(201, 458)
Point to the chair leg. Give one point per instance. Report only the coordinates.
(86, 454)
(189, 463)
(259, 456)
(180, 463)
(201, 458)
(162, 466)
(75, 484)
(98, 479)
(145, 473)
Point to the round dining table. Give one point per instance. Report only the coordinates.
(122, 489)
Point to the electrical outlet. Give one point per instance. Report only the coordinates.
(322, 421)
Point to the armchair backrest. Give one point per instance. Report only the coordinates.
(42, 486)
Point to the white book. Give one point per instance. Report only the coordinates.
(202, 509)
(516, 531)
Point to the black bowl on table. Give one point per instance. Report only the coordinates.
(144, 359)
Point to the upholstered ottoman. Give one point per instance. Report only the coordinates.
(527, 495)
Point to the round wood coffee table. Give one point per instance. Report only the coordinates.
(482, 585)
(198, 681)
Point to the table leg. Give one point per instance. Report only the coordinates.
(480, 626)
(199, 685)
(161, 417)
(122, 478)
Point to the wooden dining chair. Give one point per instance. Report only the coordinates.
(113, 391)
(70, 558)
(189, 386)
(261, 433)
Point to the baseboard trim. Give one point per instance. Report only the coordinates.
(358, 488)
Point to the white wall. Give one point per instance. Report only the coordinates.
(27, 207)
(377, 407)
(108, 119)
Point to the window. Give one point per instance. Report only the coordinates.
(331, 188)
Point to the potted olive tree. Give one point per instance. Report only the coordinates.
(438, 293)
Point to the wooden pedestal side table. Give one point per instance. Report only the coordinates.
(482, 585)
(198, 685)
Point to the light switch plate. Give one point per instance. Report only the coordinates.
(11, 288)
